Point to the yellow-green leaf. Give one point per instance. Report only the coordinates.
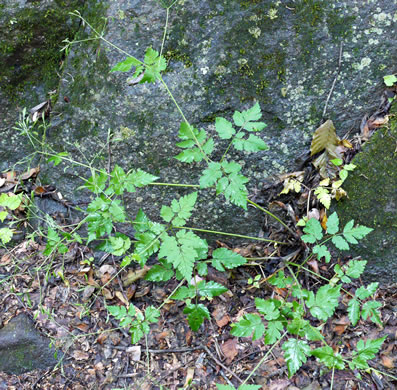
(324, 138)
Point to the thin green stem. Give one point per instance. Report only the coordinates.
(175, 185)
(272, 215)
(264, 358)
(164, 34)
(185, 120)
(230, 234)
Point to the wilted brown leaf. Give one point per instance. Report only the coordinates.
(229, 349)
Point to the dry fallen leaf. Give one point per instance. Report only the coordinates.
(189, 376)
(80, 355)
(133, 276)
(135, 352)
(324, 138)
(229, 349)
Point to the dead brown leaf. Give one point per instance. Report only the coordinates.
(229, 349)
(135, 275)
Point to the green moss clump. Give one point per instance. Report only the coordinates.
(30, 47)
(176, 55)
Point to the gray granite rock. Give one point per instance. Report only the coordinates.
(23, 348)
(223, 56)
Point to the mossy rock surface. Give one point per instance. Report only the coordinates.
(372, 190)
(31, 62)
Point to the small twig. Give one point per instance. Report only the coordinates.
(109, 152)
(222, 374)
(174, 350)
(334, 82)
(221, 364)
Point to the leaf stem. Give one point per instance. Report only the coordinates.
(185, 120)
(230, 234)
(264, 358)
(272, 215)
(175, 185)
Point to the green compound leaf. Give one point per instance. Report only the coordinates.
(322, 251)
(267, 308)
(313, 230)
(370, 310)
(190, 136)
(366, 292)
(119, 312)
(252, 144)
(366, 351)
(11, 201)
(152, 314)
(97, 182)
(224, 128)
(280, 280)
(202, 268)
(353, 310)
(5, 235)
(333, 224)
(57, 159)
(389, 80)
(296, 352)
(246, 118)
(211, 175)
(180, 210)
(273, 332)
(182, 251)
(340, 243)
(210, 289)
(138, 178)
(352, 234)
(330, 358)
(355, 268)
(116, 182)
(3, 215)
(119, 245)
(323, 305)
(126, 65)
(137, 332)
(154, 65)
(196, 315)
(117, 211)
(225, 258)
(159, 273)
(184, 292)
(250, 324)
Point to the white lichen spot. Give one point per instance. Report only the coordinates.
(363, 64)
(272, 13)
(372, 41)
(383, 18)
(139, 199)
(346, 55)
(205, 70)
(255, 32)
(284, 148)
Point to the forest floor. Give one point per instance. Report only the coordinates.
(99, 355)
